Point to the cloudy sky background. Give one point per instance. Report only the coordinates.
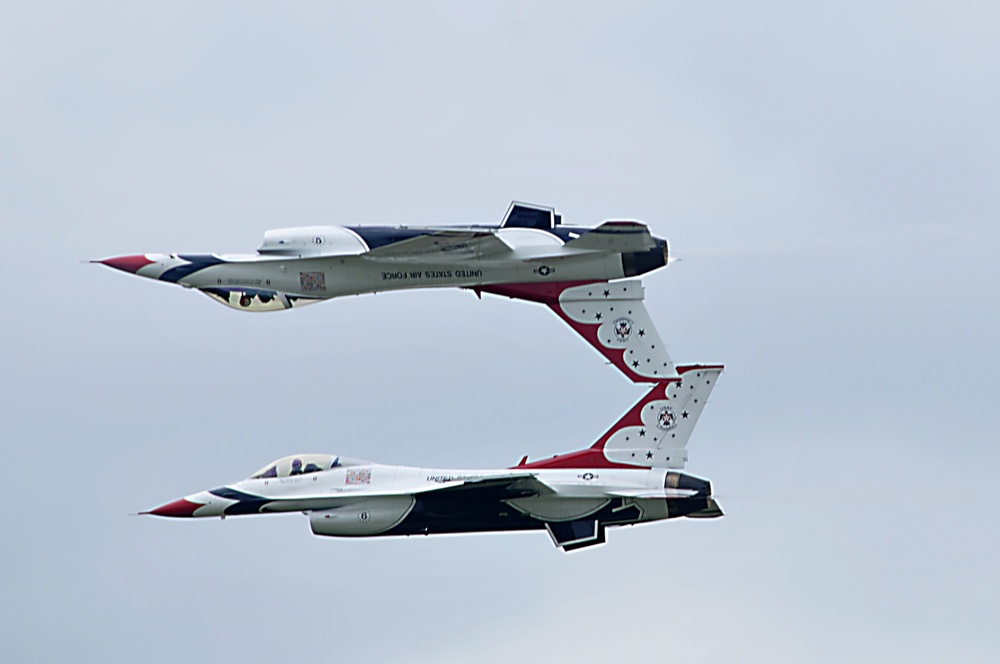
(827, 173)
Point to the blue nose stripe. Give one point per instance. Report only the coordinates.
(196, 262)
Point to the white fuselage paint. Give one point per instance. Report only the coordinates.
(355, 275)
(567, 493)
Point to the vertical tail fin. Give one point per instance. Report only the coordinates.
(654, 433)
(657, 434)
(610, 316)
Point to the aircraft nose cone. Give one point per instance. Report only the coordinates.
(178, 508)
(130, 264)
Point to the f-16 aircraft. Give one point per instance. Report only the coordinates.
(629, 476)
(531, 255)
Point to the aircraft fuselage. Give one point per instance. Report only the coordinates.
(298, 266)
(359, 499)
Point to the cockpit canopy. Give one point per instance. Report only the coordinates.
(298, 464)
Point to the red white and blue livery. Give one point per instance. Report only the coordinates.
(580, 273)
(631, 475)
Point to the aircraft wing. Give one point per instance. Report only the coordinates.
(615, 236)
(444, 245)
(610, 316)
(446, 485)
(501, 487)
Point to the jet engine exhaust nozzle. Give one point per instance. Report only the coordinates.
(676, 480)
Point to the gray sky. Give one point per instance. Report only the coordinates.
(828, 173)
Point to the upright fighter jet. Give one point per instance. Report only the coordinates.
(531, 255)
(630, 475)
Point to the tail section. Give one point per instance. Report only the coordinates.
(666, 419)
(654, 433)
(611, 317)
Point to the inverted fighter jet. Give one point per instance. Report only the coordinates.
(531, 255)
(630, 475)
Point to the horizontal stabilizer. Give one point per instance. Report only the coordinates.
(572, 535)
(713, 511)
(615, 236)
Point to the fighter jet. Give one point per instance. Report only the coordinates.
(531, 255)
(630, 475)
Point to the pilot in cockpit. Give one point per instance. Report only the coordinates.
(302, 464)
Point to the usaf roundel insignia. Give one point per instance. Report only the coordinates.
(666, 419)
(623, 328)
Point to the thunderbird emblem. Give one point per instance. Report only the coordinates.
(666, 419)
(623, 328)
